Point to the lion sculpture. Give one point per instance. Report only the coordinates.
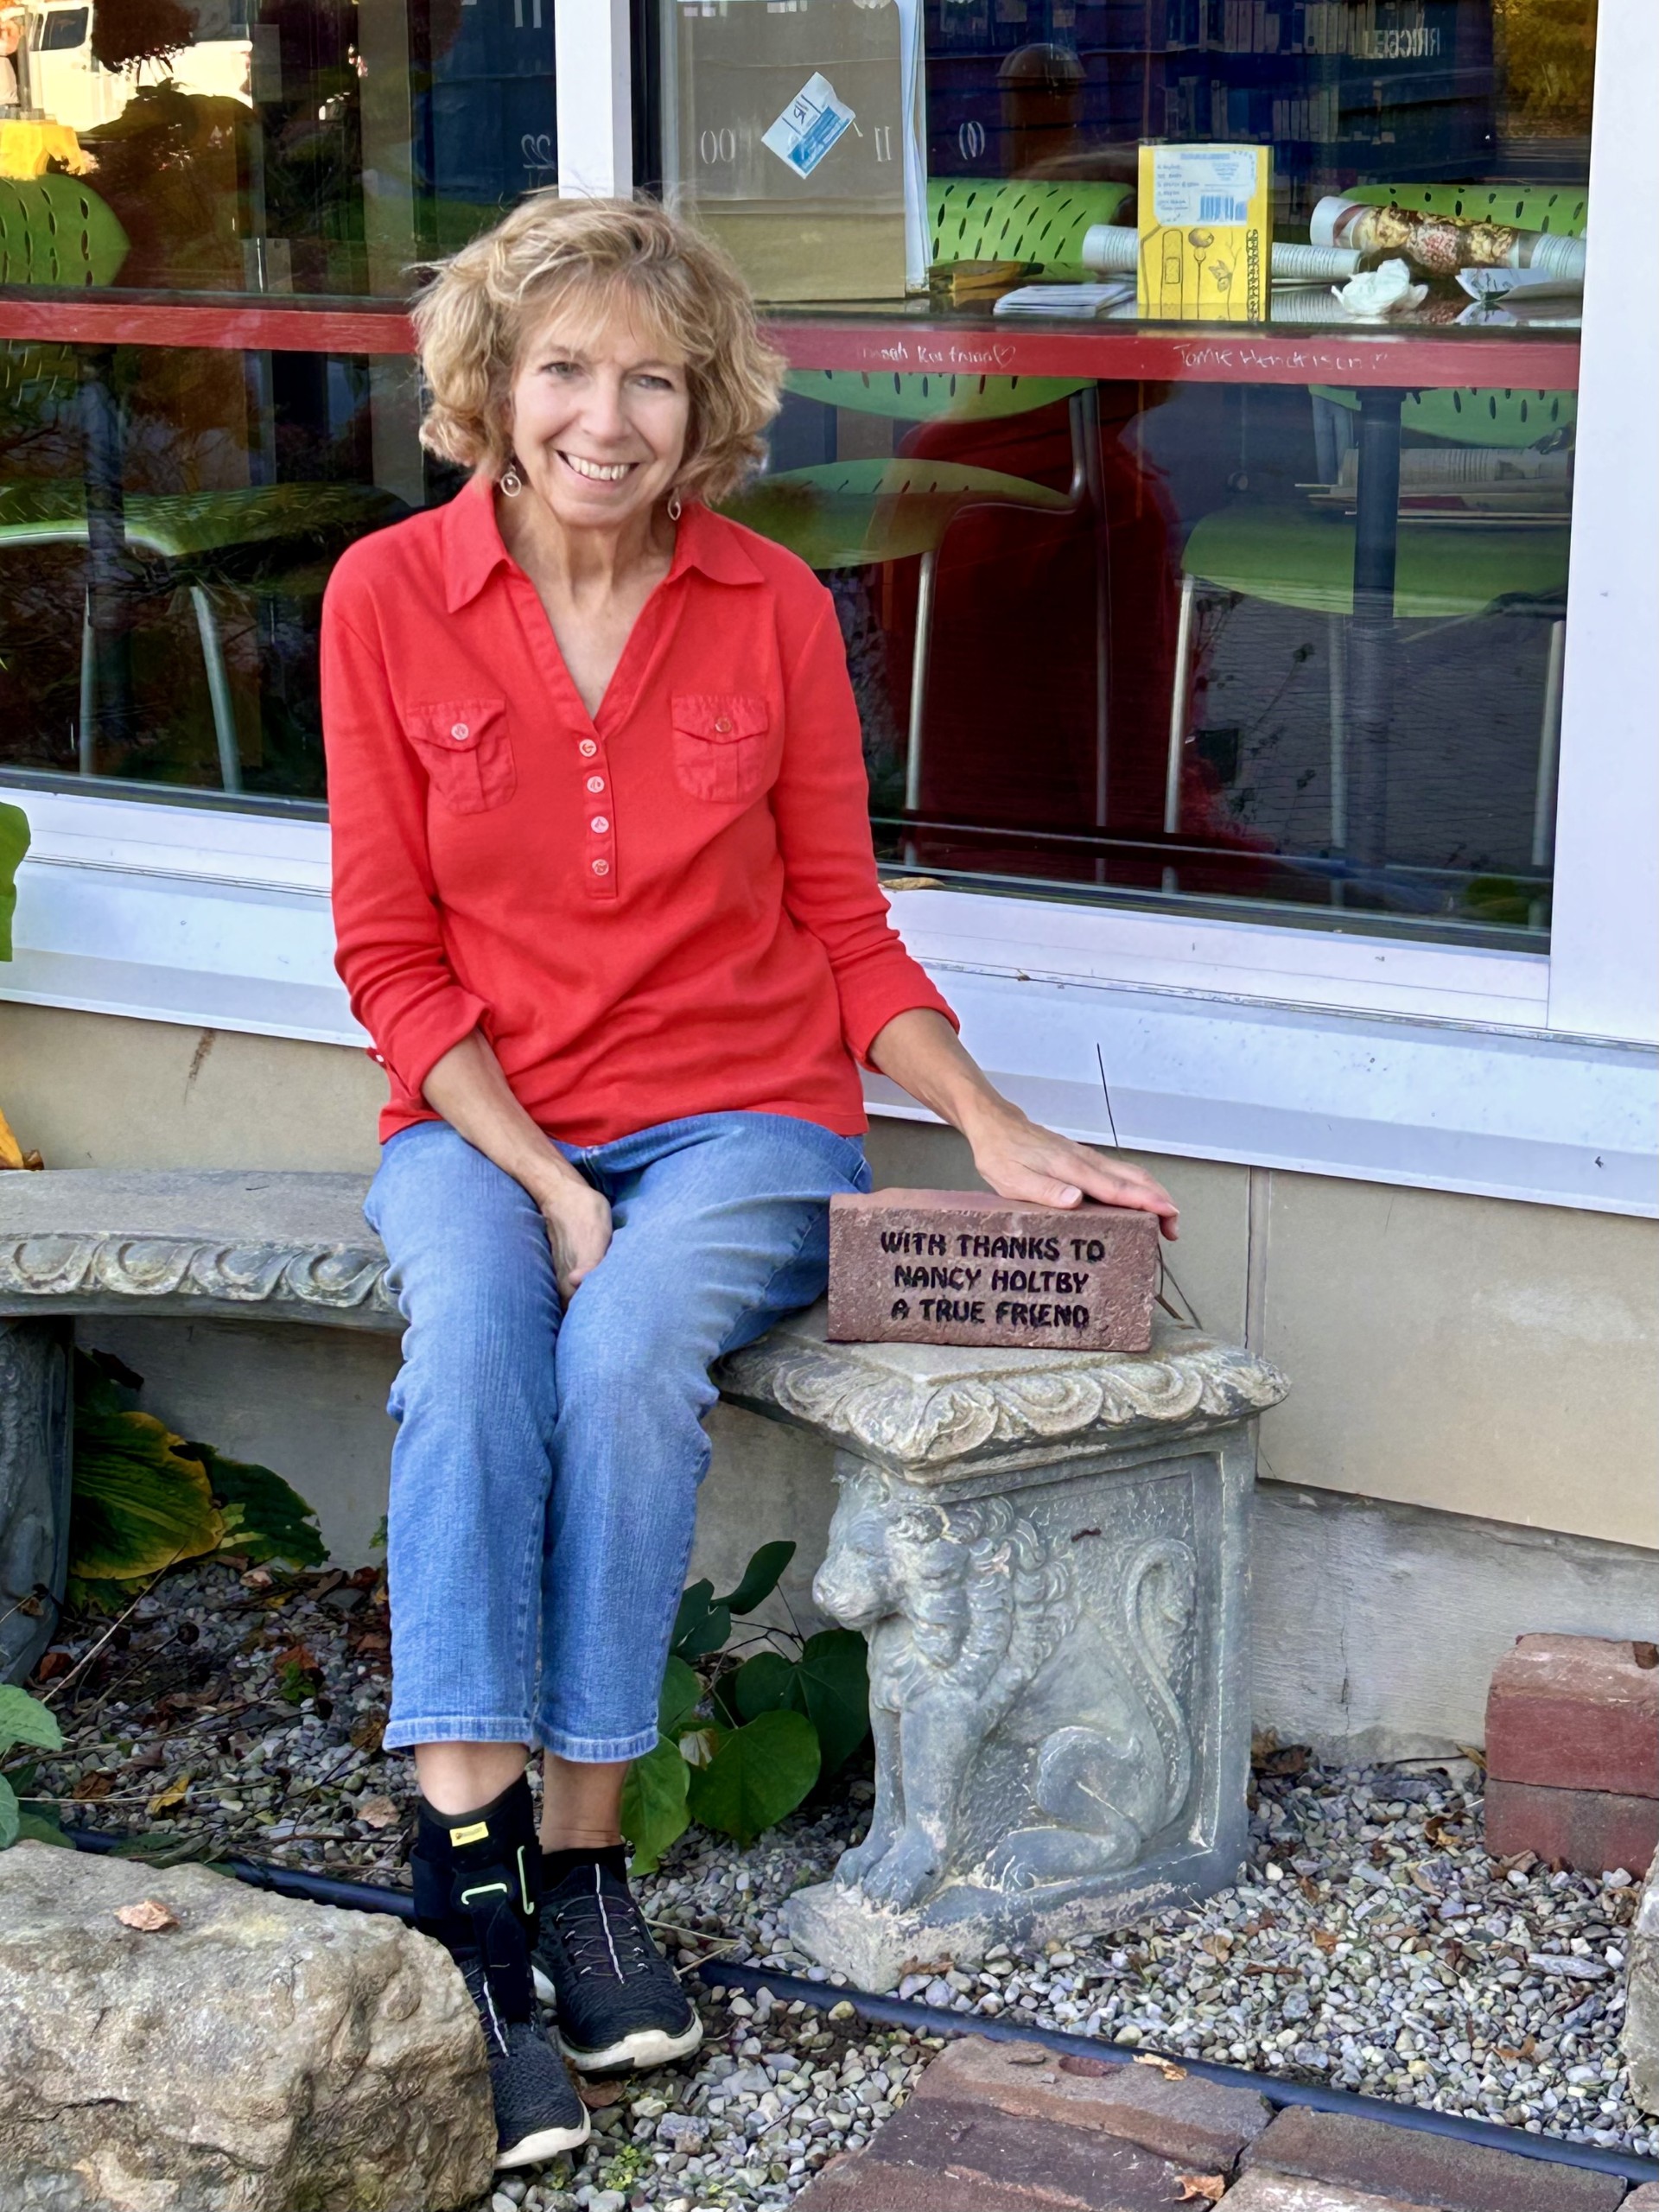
(985, 1661)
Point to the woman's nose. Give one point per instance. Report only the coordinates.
(605, 415)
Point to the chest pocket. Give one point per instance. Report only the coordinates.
(464, 748)
(722, 743)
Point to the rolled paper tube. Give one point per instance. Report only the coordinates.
(1337, 222)
(1111, 246)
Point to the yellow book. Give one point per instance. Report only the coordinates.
(1206, 235)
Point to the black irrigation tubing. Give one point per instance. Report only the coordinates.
(934, 2020)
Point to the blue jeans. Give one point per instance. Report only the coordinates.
(544, 1475)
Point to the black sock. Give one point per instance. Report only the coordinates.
(556, 1866)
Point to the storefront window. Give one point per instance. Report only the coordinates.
(171, 503)
(1182, 413)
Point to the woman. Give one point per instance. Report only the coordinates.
(605, 903)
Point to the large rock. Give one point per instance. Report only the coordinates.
(1642, 1999)
(262, 2056)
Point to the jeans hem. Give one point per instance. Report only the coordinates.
(459, 1728)
(596, 1750)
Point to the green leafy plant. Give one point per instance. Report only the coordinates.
(23, 1720)
(144, 1498)
(14, 843)
(742, 1739)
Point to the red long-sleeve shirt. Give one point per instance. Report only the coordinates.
(671, 908)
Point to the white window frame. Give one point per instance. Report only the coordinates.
(1521, 1075)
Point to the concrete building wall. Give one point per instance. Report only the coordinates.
(1470, 1450)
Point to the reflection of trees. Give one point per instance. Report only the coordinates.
(132, 32)
(171, 165)
(313, 147)
(1547, 58)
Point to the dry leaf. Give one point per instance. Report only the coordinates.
(90, 1787)
(377, 1812)
(1151, 2059)
(174, 1794)
(597, 2095)
(1326, 1938)
(1202, 2189)
(148, 1917)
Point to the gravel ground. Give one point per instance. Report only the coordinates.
(1374, 1945)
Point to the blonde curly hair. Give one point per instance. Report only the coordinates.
(486, 301)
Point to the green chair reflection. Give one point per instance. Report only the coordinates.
(857, 513)
(193, 532)
(1305, 559)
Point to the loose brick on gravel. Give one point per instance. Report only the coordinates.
(1594, 1830)
(1575, 1712)
(1405, 2166)
(1201, 2125)
(938, 2156)
(1645, 2199)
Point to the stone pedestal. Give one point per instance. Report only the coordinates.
(1050, 1555)
(35, 1465)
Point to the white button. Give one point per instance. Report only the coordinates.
(595, 783)
(600, 824)
(601, 868)
(587, 748)
(460, 732)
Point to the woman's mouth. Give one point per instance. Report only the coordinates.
(597, 472)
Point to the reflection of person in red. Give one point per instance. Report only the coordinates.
(1012, 729)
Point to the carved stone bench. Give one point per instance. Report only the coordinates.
(1049, 1552)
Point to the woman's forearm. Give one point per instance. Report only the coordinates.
(1013, 1153)
(923, 1054)
(467, 1087)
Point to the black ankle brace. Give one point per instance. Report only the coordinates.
(477, 1881)
(557, 1864)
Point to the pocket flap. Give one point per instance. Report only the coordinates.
(722, 717)
(457, 724)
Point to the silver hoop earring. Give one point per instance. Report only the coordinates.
(674, 510)
(512, 482)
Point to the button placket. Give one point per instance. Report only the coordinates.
(601, 852)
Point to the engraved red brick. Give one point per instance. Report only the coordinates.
(1575, 1712)
(1593, 1830)
(960, 1267)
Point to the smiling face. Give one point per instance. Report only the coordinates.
(598, 411)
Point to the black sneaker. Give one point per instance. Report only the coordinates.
(537, 2112)
(620, 2004)
(476, 1877)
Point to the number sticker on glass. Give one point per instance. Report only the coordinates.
(812, 123)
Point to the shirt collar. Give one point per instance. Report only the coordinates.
(473, 549)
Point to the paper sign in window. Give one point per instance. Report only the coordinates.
(812, 123)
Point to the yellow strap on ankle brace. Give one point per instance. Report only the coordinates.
(477, 1832)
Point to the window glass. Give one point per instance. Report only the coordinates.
(169, 513)
(1195, 485)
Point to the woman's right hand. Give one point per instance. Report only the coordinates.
(578, 1220)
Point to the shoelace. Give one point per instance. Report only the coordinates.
(603, 1934)
(478, 1987)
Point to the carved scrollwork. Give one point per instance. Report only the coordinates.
(907, 1419)
(321, 1279)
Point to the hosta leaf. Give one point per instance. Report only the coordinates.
(36, 1828)
(834, 1681)
(760, 1772)
(24, 1720)
(9, 1813)
(270, 1518)
(678, 1699)
(138, 1505)
(766, 1683)
(760, 1577)
(653, 1804)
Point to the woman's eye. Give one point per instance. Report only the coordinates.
(559, 369)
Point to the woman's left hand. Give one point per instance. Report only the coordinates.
(1020, 1160)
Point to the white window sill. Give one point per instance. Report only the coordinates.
(1348, 1056)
